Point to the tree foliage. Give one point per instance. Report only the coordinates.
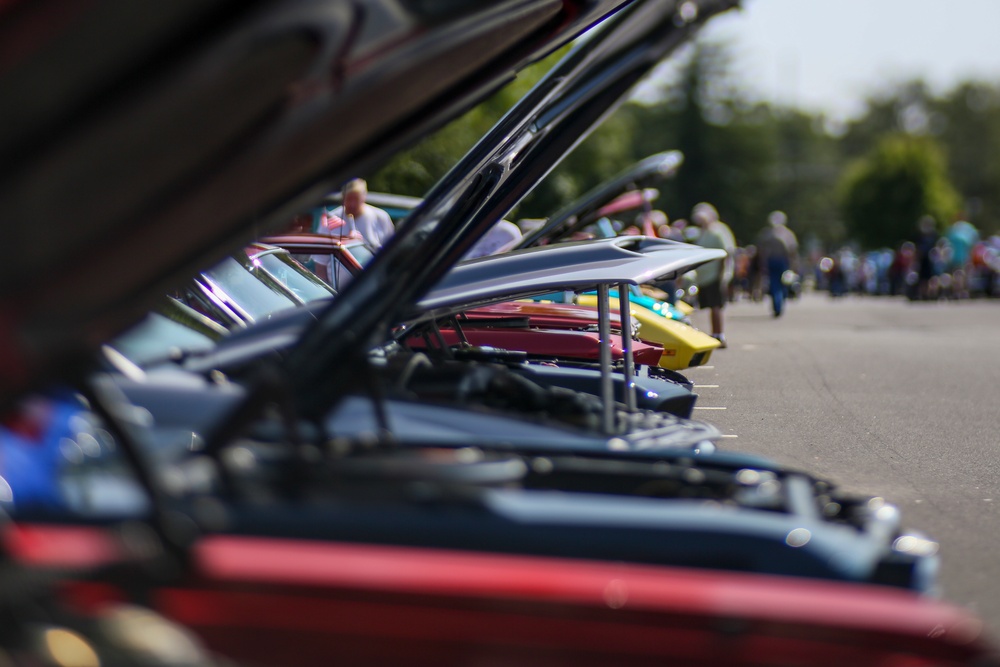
(885, 193)
(749, 158)
(416, 170)
(729, 148)
(970, 128)
(964, 121)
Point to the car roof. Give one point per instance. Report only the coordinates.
(311, 240)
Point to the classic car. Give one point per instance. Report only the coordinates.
(485, 281)
(263, 284)
(566, 346)
(630, 502)
(262, 280)
(683, 346)
(251, 286)
(347, 256)
(277, 544)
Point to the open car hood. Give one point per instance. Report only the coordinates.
(186, 128)
(578, 212)
(579, 92)
(497, 278)
(569, 266)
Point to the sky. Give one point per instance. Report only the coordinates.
(830, 55)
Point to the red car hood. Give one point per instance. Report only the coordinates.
(554, 343)
(557, 315)
(372, 604)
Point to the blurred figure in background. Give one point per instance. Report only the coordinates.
(651, 222)
(984, 268)
(372, 223)
(303, 222)
(335, 227)
(654, 223)
(675, 231)
(926, 243)
(962, 236)
(714, 278)
(777, 252)
(901, 268)
(740, 287)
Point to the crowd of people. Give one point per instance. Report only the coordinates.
(952, 265)
(957, 264)
(768, 267)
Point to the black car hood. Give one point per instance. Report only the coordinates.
(579, 92)
(564, 221)
(144, 141)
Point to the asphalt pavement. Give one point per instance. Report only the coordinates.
(884, 397)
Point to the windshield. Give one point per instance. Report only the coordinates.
(157, 338)
(361, 253)
(283, 268)
(235, 284)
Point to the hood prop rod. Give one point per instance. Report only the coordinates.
(625, 313)
(459, 330)
(607, 387)
(439, 337)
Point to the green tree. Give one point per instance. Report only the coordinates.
(729, 145)
(415, 170)
(965, 121)
(748, 159)
(887, 191)
(904, 108)
(607, 151)
(806, 170)
(970, 129)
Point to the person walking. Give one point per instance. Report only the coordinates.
(714, 277)
(963, 237)
(926, 246)
(777, 252)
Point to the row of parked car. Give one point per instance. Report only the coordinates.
(409, 465)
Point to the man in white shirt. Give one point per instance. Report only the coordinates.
(338, 228)
(374, 224)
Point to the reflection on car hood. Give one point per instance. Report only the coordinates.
(571, 266)
(190, 127)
